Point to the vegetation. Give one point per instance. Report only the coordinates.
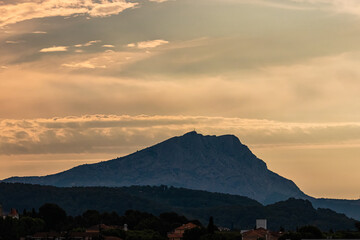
(312, 232)
(50, 217)
(227, 210)
(141, 226)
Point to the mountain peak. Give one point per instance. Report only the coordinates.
(191, 133)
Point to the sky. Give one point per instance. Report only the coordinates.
(83, 81)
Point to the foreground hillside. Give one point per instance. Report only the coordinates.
(228, 210)
(211, 163)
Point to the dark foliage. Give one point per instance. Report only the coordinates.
(54, 216)
(194, 233)
(228, 210)
(211, 226)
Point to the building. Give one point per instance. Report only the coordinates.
(100, 227)
(70, 236)
(260, 233)
(261, 223)
(13, 213)
(178, 233)
(63, 236)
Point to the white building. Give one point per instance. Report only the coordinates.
(261, 223)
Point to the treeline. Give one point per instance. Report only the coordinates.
(51, 217)
(312, 232)
(140, 225)
(228, 210)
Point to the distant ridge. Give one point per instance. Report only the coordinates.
(211, 163)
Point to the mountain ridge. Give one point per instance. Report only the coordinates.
(210, 163)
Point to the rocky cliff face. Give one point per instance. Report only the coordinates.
(213, 163)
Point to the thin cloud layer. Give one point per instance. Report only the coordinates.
(18, 12)
(339, 6)
(113, 134)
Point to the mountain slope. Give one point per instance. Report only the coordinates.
(211, 163)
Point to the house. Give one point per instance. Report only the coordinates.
(100, 227)
(63, 236)
(13, 213)
(111, 238)
(178, 233)
(46, 235)
(260, 233)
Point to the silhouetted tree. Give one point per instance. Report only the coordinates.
(310, 232)
(357, 225)
(211, 227)
(91, 218)
(53, 215)
(194, 233)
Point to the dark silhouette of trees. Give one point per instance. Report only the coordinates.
(194, 233)
(54, 216)
(211, 226)
(310, 232)
(91, 218)
(357, 225)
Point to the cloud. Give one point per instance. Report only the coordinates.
(108, 46)
(86, 64)
(110, 8)
(13, 42)
(39, 32)
(87, 44)
(113, 133)
(106, 59)
(158, 1)
(55, 49)
(338, 6)
(26, 10)
(148, 44)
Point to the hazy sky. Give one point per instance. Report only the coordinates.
(83, 81)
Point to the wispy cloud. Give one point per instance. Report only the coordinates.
(158, 1)
(13, 13)
(85, 64)
(106, 59)
(337, 6)
(39, 32)
(148, 44)
(108, 46)
(87, 44)
(55, 49)
(13, 42)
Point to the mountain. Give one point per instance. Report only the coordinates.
(227, 210)
(212, 163)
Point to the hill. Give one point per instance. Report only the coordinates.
(227, 210)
